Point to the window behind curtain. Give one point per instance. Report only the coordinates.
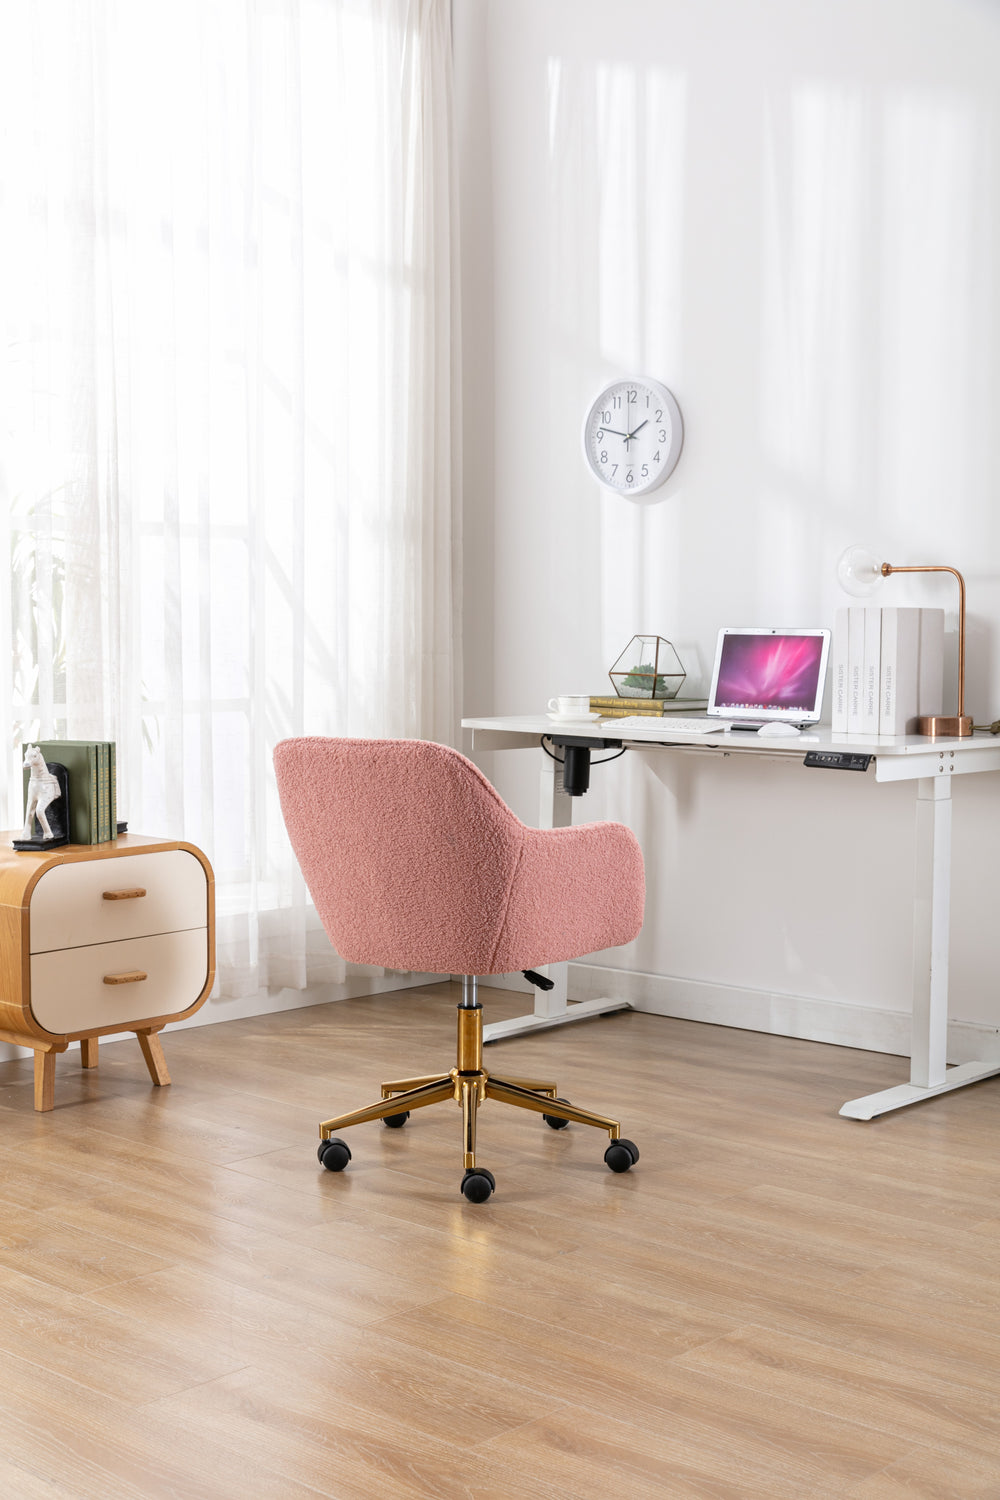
(227, 464)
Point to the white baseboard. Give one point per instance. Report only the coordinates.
(838, 1022)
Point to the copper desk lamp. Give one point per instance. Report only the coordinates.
(860, 572)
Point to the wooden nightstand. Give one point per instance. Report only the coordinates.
(102, 938)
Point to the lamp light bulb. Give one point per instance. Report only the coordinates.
(859, 572)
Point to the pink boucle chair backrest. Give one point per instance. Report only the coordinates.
(415, 862)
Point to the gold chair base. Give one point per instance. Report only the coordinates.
(469, 1085)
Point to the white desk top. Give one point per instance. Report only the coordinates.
(897, 757)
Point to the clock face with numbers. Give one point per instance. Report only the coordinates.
(632, 436)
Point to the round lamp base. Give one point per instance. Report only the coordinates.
(941, 726)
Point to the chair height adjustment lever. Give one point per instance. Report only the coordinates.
(538, 979)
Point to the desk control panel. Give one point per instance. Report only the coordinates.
(838, 760)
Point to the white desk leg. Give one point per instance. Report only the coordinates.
(931, 922)
(929, 1072)
(555, 810)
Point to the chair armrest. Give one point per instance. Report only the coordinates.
(575, 891)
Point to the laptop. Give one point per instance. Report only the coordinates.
(764, 676)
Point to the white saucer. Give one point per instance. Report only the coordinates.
(572, 718)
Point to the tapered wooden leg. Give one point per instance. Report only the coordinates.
(88, 1052)
(45, 1080)
(152, 1051)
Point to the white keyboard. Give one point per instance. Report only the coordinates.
(672, 723)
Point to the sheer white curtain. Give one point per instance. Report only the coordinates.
(228, 463)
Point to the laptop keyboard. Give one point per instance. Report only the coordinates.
(671, 722)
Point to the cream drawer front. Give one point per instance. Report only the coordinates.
(68, 992)
(68, 907)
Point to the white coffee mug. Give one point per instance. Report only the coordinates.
(570, 705)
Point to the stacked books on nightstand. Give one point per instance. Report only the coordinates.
(93, 799)
(887, 668)
(613, 707)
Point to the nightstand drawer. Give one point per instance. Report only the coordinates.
(69, 991)
(98, 901)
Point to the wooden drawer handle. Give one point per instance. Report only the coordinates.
(129, 895)
(131, 977)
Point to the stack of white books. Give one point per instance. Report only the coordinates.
(887, 669)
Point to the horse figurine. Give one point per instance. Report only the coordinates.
(43, 788)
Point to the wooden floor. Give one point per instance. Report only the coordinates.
(775, 1302)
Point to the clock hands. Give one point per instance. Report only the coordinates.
(628, 436)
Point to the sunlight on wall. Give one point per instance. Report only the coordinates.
(616, 139)
(815, 326)
(817, 375)
(871, 303)
(935, 301)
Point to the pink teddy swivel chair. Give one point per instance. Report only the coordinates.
(414, 862)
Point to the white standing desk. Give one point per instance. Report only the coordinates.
(930, 764)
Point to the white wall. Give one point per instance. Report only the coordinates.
(787, 211)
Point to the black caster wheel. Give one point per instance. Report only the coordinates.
(553, 1121)
(396, 1122)
(334, 1154)
(621, 1155)
(478, 1184)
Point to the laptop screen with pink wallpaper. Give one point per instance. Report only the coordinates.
(762, 675)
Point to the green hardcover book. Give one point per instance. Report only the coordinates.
(619, 706)
(97, 793)
(104, 792)
(635, 713)
(80, 758)
(98, 809)
(114, 788)
(631, 713)
(612, 700)
(647, 705)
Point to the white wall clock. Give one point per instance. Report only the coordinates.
(632, 435)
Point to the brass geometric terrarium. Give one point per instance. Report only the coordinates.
(649, 667)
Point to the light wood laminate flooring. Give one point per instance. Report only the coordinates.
(776, 1302)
